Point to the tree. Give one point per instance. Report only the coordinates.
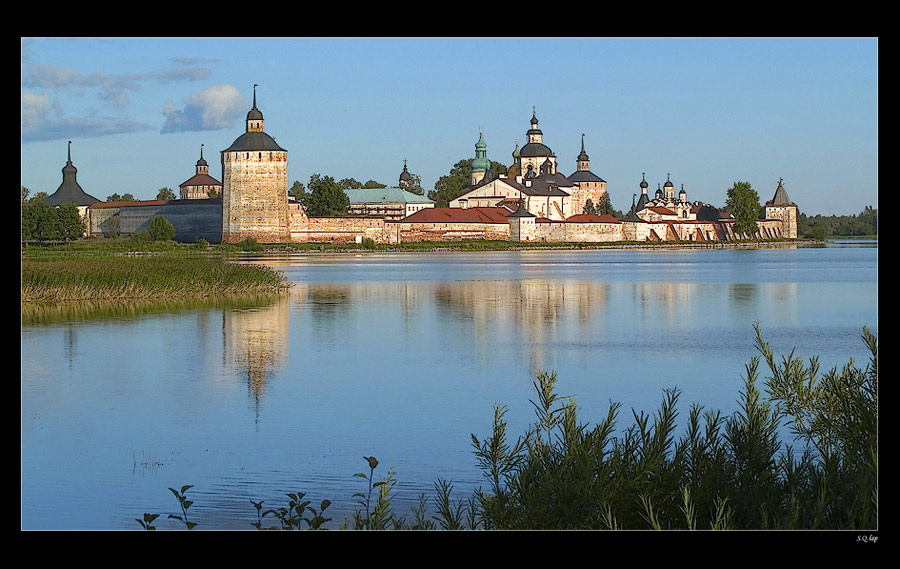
(165, 194)
(349, 184)
(372, 185)
(25, 192)
(298, 192)
(325, 197)
(213, 193)
(589, 207)
(604, 207)
(41, 222)
(160, 229)
(70, 226)
(415, 185)
(454, 184)
(118, 198)
(743, 203)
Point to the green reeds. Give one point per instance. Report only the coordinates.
(163, 277)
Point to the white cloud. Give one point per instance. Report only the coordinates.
(213, 108)
(34, 108)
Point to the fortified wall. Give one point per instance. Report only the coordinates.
(193, 219)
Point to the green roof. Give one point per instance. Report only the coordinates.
(384, 195)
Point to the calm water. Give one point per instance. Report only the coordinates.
(401, 357)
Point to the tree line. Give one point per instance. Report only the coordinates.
(820, 226)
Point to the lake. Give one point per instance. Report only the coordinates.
(401, 356)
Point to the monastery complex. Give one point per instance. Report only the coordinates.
(532, 202)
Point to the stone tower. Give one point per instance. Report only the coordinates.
(255, 186)
(781, 207)
(588, 186)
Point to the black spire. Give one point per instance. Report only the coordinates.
(254, 114)
(583, 157)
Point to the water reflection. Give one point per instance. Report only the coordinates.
(256, 343)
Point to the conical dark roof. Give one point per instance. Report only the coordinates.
(781, 196)
(69, 191)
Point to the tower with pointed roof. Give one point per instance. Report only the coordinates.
(588, 186)
(201, 184)
(782, 208)
(69, 191)
(255, 185)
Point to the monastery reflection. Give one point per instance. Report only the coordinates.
(530, 311)
(676, 300)
(256, 343)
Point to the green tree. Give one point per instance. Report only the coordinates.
(165, 194)
(372, 184)
(325, 197)
(743, 203)
(349, 184)
(298, 192)
(25, 192)
(455, 183)
(118, 198)
(589, 207)
(70, 226)
(160, 229)
(415, 184)
(213, 193)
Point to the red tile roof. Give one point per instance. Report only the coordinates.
(661, 210)
(592, 218)
(458, 215)
(201, 180)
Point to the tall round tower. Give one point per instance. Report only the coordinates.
(255, 186)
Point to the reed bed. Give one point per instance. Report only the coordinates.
(158, 277)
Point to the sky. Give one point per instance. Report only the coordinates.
(706, 111)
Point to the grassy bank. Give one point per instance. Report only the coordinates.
(99, 278)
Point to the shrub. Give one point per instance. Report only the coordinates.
(160, 229)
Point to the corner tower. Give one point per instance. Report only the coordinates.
(781, 207)
(255, 185)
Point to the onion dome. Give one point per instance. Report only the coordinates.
(405, 175)
(201, 162)
(480, 163)
(659, 193)
(515, 153)
(682, 192)
(668, 183)
(534, 121)
(644, 183)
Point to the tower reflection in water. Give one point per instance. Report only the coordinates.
(256, 343)
(534, 321)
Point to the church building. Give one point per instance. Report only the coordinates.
(201, 184)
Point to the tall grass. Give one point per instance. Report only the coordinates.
(725, 473)
(103, 278)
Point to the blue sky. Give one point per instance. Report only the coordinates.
(708, 111)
